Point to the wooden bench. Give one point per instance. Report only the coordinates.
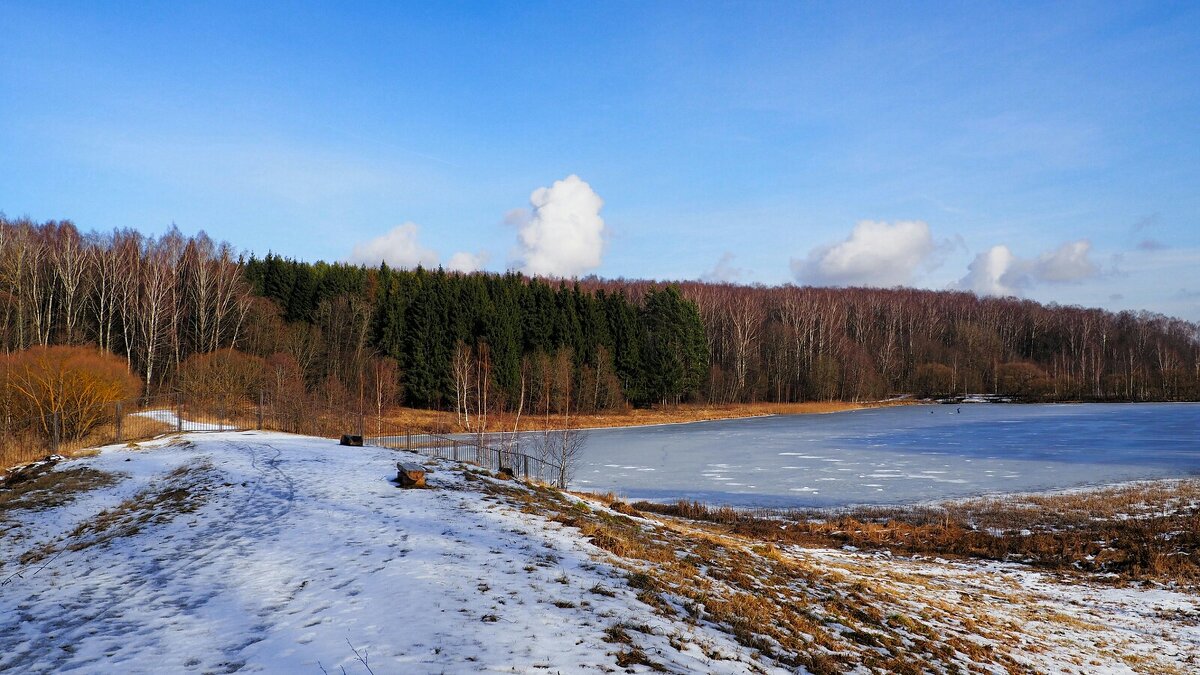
(352, 439)
(410, 475)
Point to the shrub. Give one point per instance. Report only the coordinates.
(932, 379)
(1022, 379)
(76, 383)
(226, 375)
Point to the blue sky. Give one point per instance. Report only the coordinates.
(1049, 151)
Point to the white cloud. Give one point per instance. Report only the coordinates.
(467, 262)
(563, 234)
(997, 271)
(876, 253)
(992, 273)
(723, 271)
(398, 248)
(1069, 262)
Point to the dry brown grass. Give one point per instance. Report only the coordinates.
(1140, 532)
(20, 450)
(444, 422)
(23, 449)
(789, 611)
(182, 491)
(42, 488)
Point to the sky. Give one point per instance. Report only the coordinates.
(1047, 151)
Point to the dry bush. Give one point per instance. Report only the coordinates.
(79, 385)
(23, 447)
(223, 376)
(287, 396)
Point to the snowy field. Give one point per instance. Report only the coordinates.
(299, 552)
(267, 552)
(895, 455)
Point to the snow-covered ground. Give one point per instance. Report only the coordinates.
(301, 552)
(171, 418)
(268, 552)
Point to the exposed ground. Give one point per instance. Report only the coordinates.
(265, 552)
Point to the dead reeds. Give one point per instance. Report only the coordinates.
(1138, 532)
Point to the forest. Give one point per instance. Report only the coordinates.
(185, 311)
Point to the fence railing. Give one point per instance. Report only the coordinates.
(68, 431)
(482, 450)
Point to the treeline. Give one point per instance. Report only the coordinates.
(348, 335)
(155, 301)
(790, 344)
(510, 339)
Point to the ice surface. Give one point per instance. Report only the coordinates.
(896, 455)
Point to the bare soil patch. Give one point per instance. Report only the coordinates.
(40, 487)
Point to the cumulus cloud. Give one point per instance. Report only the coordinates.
(398, 248)
(997, 271)
(723, 271)
(467, 262)
(562, 235)
(994, 272)
(875, 254)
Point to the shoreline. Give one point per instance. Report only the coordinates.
(733, 418)
(637, 418)
(846, 509)
(1084, 489)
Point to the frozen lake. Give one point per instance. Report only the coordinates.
(894, 455)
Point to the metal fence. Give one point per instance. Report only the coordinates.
(485, 451)
(62, 432)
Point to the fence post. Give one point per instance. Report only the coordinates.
(117, 421)
(179, 413)
(260, 407)
(55, 436)
(407, 440)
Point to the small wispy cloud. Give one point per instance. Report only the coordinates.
(1146, 222)
(398, 248)
(467, 262)
(401, 248)
(724, 271)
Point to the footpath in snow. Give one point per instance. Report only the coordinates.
(268, 552)
(291, 554)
